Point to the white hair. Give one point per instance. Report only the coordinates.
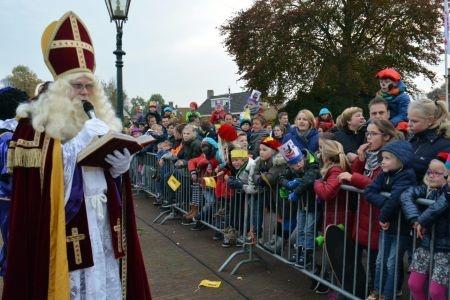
(61, 117)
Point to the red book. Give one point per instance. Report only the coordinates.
(94, 154)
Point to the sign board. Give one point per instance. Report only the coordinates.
(224, 102)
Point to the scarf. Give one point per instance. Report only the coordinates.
(372, 162)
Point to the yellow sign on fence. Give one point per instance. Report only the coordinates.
(173, 183)
(210, 182)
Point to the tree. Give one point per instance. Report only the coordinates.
(110, 88)
(158, 98)
(22, 78)
(327, 51)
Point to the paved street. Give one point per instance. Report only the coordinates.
(177, 259)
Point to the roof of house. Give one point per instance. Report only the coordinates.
(238, 101)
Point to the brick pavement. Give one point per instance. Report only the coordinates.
(177, 259)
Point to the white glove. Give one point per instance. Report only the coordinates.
(92, 128)
(120, 163)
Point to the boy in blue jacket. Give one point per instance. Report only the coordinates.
(396, 177)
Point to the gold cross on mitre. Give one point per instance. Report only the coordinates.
(75, 238)
(118, 229)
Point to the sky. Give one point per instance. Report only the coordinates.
(172, 47)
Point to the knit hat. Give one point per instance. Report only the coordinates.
(388, 73)
(245, 121)
(152, 104)
(290, 152)
(324, 111)
(211, 142)
(227, 133)
(271, 143)
(239, 153)
(445, 158)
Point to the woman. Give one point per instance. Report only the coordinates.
(304, 134)
(278, 132)
(366, 168)
(429, 124)
(350, 130)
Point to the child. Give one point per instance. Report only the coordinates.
(434, 188)
(199, 167)
(268, 166)
(396, 177)
(193, 106)
(258, 134)
(393, 90)
(278, 132)
(328, 189)
(238, 177)
(163, 149)
(324, 122)
(299, 180)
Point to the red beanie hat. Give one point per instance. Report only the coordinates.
(271, 143)
(193, 105)
(388, 73)
(227, 133)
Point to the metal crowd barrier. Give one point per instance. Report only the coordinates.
(272, 222)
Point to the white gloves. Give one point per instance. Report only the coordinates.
(120, 163)
(92, 128)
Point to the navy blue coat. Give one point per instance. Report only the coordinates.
(426, 146)
(436, 214)
(395, 183)
(349, 139)
(310, 142)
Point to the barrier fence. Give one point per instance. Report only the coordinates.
(292, 232)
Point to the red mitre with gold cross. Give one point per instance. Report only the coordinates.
(67, 46)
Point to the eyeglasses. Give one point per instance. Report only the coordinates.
(79, 86)
(434, 173)
(373, 133)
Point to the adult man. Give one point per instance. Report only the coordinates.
(378, 109)
(283, 119)
(72, 224)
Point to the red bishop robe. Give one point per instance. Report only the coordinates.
(33, 252)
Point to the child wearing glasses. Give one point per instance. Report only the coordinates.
(396, 176)
(435, 187)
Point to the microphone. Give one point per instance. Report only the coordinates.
(88, 109)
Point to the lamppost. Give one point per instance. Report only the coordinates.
(118, 12)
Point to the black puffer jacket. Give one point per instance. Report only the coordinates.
(436, 214)
(426, 146)
(349, 139)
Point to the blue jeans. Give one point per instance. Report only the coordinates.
(210, 199)
(386, 260)
(305, 229)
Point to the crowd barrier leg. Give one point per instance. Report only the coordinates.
(247, 247)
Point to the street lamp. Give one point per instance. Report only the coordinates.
(118, 12)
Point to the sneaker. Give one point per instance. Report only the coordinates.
(198, 226)
(229, 238)
(305, 259)
(399, 293)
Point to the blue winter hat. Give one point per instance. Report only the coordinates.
(324, 111)
(167, 109)
(401, 149)
(211, 142)
(290, 152)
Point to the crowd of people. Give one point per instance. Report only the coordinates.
(402, 149)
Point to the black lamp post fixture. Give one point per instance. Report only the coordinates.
(118, 12)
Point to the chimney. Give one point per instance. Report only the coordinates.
(209, 94)
(171, 104)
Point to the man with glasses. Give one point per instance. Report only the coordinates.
(72, 229)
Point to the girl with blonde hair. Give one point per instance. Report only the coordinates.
(328, 189)
(430, 127)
